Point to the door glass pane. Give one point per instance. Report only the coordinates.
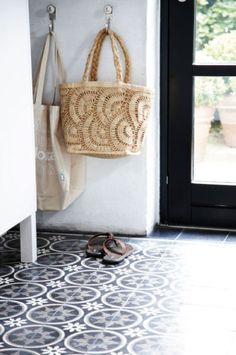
(215, 31)
(214, 130)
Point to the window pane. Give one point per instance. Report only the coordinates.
(214, 130)
(215, 31)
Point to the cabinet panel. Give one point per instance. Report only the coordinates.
(17, 163)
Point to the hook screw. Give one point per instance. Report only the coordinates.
(51, 9)
(108, 11)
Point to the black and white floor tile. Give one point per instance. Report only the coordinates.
(170, 297)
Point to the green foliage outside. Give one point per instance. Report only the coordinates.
(209, 91)
(214, 17)
(215, 42)
(222, 47)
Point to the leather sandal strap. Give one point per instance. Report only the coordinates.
(106, 235)
(118, 242)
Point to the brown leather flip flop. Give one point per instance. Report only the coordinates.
(116, 251)
(95, 244)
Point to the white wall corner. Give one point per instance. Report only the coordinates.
(120, 194)
(152, 74)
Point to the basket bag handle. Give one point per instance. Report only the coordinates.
(42, 68)
(97, 54)
(96, 45)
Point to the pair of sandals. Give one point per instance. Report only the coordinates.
(109, 248)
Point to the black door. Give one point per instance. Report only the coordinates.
(198, 112)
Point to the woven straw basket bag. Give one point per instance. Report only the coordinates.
(105, 119)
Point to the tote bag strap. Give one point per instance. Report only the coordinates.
(38, 88)
(97, 54)
(59, 74)
(116, 57)
(41, 73)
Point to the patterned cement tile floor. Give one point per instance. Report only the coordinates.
(176, 295)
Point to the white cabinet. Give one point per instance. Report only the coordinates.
(17, 162)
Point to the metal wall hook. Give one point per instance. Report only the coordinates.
(108, 11)
(51, 9)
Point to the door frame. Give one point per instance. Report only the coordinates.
(164, 114)
(181, 201)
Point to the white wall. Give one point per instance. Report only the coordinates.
(17, 163)
(121, 194)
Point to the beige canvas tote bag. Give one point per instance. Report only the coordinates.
(60, 175)
(105, 119)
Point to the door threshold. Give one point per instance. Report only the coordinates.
(196, 227)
